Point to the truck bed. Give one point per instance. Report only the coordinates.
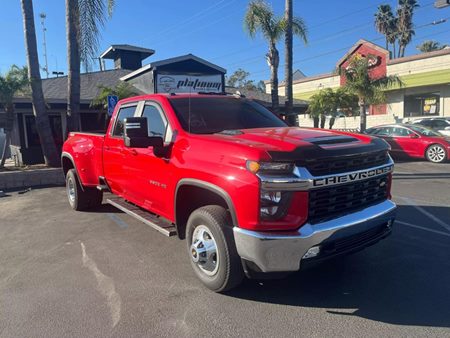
(88, 147)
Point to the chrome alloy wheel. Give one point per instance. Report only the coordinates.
(204, 250)
(436, 153)
(70, 190)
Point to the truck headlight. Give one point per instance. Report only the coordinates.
(274, 204)
(270, 168)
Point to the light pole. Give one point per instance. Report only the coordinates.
(43, 16)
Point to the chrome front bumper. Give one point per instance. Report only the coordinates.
(281, 251)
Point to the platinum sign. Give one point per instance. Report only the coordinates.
(188, 84)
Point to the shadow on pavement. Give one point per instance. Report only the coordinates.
(105, 208)
(404, 280)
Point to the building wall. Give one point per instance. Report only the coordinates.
(421, 75)
(436, 63)
(304, 90)
(351, 122)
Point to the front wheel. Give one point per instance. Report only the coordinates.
(436, 153)
(211, 248)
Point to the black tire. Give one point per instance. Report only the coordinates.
(229, 272)
(436, 153)
(79, 198)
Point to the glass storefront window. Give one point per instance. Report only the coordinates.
(426, 104)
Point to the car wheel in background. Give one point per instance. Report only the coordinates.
(436, 153)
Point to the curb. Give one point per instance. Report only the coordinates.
(31, 178)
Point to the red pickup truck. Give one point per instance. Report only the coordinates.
(251, 196)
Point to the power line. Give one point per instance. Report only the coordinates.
(348, 47)
(199, 28)
(252, 59)
(192, 19)
(337, 34)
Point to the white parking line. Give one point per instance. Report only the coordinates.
(426, 213)
(423, 228)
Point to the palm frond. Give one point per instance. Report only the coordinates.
(299, 29)
(92, 17)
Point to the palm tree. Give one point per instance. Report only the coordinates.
(383, 18)
(84, 18)
(368, 90)
(327, 102)
(405, 25)
(384, 23)
(261, 18)
(14, 81)
(297, 26)
(430, 46)
(392, 34)
(49, 152)
(122, 90)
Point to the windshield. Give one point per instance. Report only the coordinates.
(214, 114)
(424, 131)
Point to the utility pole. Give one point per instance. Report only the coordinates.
(43, 16)
(291, 118)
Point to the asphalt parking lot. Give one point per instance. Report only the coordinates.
(102, 273)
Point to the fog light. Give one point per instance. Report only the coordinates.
(312, 252)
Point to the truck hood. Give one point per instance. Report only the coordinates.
(293, 142)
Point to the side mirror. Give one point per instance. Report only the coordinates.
(447, 128)
(413, 135)
(136, 134)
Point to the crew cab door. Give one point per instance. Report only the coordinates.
(150, 176)
(114, 152)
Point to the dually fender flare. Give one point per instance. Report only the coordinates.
(65, 154)
(211, 187)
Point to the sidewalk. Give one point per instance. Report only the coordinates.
(17, 178)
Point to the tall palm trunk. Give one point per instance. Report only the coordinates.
(73, 61)
(288, 64)
(401, 50)
(393, 48)
(274, 60)
(39, 109)
(362, 114)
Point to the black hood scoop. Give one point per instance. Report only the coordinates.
(331, 140)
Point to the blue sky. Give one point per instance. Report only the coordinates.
(213, 29)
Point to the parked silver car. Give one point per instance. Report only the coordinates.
(439, 124)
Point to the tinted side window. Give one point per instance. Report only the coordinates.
(427, 123)
(439, 124)
(401, 132)
(385, 131)
(122, 115)
(155, 122)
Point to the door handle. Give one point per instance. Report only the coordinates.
(129, 151)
